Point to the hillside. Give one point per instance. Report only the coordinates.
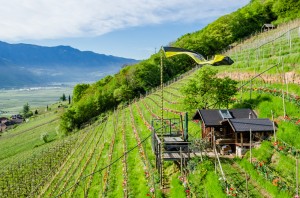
(220, 35)
(108, 151)
(25, 65)
(126, 131)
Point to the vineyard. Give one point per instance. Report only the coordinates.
(113, 157)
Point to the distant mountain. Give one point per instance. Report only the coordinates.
(27, 65)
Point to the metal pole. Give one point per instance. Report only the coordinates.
(186, 127)
(162, 116)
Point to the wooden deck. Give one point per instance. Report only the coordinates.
(173, 139)
(175, 156)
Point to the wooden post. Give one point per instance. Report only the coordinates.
(250, 88)
(201, 146)
(297, 177)
(235, 141)
(247, 190)
(287, 88)
(212, 137)
(250, 146)
(184, 166)
(222, 172)
(273, 125)
(290, 40)
(283, 100)
(241, 134)
(214, 141)
(181, 160)
(242, 90)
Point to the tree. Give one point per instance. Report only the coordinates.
(226, 89)
(205, 90)
(69, 99)
(63, 98)
(26, 111)
(26, 108)
(68, 121)
(78, 91)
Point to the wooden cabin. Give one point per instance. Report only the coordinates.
(232, 127)
(3, 120)
(267, 27)
(2, 127)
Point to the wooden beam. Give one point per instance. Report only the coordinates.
(212, 137)
(236, 141)
(241, 134)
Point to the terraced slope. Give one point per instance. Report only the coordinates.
(113, 156)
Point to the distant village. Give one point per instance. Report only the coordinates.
(7, 123)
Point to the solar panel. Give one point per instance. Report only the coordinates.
(225, 114)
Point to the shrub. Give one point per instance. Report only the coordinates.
(44, 137)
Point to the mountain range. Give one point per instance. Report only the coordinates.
(29, 65)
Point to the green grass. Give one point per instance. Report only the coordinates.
(25, 138)
(13, 100)
(212, 185)
(237, 181)
(137, 182)
(267, 185)
(264, 152)
(177, 189)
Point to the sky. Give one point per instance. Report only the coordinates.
(126, 28)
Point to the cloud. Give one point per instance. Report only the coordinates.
(44, 19)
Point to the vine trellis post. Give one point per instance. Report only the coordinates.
(283, 82)
(162, 119)
(297, 177)
(273, 125)
(250, 146)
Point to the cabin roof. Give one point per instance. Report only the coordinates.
(268, 25)
(214, 117)
(256, 125)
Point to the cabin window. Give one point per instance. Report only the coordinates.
(225, 114)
